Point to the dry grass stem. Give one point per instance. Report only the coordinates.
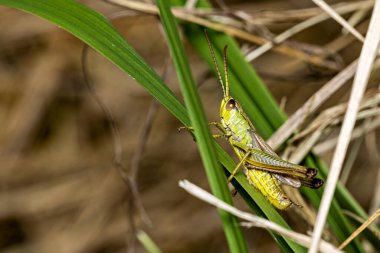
(327, 8)
(326, 120)
(190, 4)
(367, 56)
(285, 48)
(359, 219)
(374, 155)
(351, 157)
(359, 131)
(334, 115)
(313, 103)
(375, 203)
(360, 229)
(261, 17)
(300, 27)
(348, 166)
(304, 148)
(253, 220)
(355, 19)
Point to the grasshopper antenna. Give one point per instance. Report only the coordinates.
(215, 63)
(227, 91)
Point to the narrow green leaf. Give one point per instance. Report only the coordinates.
(148, 243)
(97, 32)
(202, 132)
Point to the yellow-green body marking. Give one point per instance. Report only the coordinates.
(239, 130)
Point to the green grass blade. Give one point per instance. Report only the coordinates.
(202, 132)
(148, 243)
(97, 32)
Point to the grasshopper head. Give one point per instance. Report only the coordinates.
(229, 109)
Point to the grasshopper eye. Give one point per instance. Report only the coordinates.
(231, 104)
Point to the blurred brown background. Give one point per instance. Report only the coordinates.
(59, 188)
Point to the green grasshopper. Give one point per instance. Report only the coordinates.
(262, 166)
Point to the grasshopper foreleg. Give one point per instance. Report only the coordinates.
(218, 125)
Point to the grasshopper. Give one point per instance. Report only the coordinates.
(263, 167)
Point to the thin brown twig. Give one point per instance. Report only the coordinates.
(280, 38)
(285, 48)
(265, 17)
(359, 219)
(270, 17)
(242, 20)
(344, 40)
(146, 129)
(375, 203)
(365, 224)
(129, 180)
(374, 159)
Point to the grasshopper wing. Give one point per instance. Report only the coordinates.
(288, 180)
(264, 158)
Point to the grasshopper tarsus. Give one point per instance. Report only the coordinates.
(188, 128)
(313, 183)
(311, 172)
(316, 183)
